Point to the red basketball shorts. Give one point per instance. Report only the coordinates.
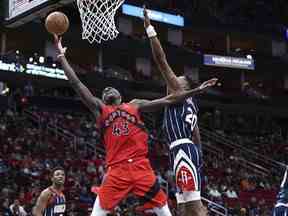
(135, 177)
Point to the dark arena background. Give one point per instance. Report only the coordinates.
(243, 120)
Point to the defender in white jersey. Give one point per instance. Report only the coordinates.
(51, 201)
(180, 124)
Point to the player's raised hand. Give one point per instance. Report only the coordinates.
(208, 84)
(58, 44)
(146, 17)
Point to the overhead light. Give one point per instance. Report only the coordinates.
(17, 52)
(53, 65)
(24, 100)
(249, 57)
(245, 84)
(41, 59)
(31, 59)
(5, 91)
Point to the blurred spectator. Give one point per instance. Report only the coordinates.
(28, 89)
(17, 209)
(254, 209)
(231, 193)
(243, 212)
(5, 208)
(213, 192)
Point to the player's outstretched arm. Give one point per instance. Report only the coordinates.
(159, 56)
(41, 203)
(189, 93)
(94, 104)
(148, 106)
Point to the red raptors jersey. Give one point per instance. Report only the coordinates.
(123, 133)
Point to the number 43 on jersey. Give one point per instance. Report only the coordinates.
(120, 129)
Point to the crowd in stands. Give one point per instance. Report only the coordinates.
(30, 150)
(28, 153)
(260, 133)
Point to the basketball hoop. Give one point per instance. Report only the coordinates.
(97, 18)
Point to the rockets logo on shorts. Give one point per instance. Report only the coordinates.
(185, 180)
(185, 172)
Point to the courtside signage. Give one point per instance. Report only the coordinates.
(33, 69)
(230, 62)
(153, 15)
(8, 67)
(45, 71)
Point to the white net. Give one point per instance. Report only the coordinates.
(97, 18)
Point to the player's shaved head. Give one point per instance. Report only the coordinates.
(111, 96)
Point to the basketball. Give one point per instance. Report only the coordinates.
(57, 23)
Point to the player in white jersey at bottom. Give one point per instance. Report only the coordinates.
(180, 124)
(281, 207)
(51, 201)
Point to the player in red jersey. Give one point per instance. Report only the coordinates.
(125, 140)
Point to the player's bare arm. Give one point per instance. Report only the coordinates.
(196, 135)
(148, 106)
(41, 203)
(159, 57)
(94, 104)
